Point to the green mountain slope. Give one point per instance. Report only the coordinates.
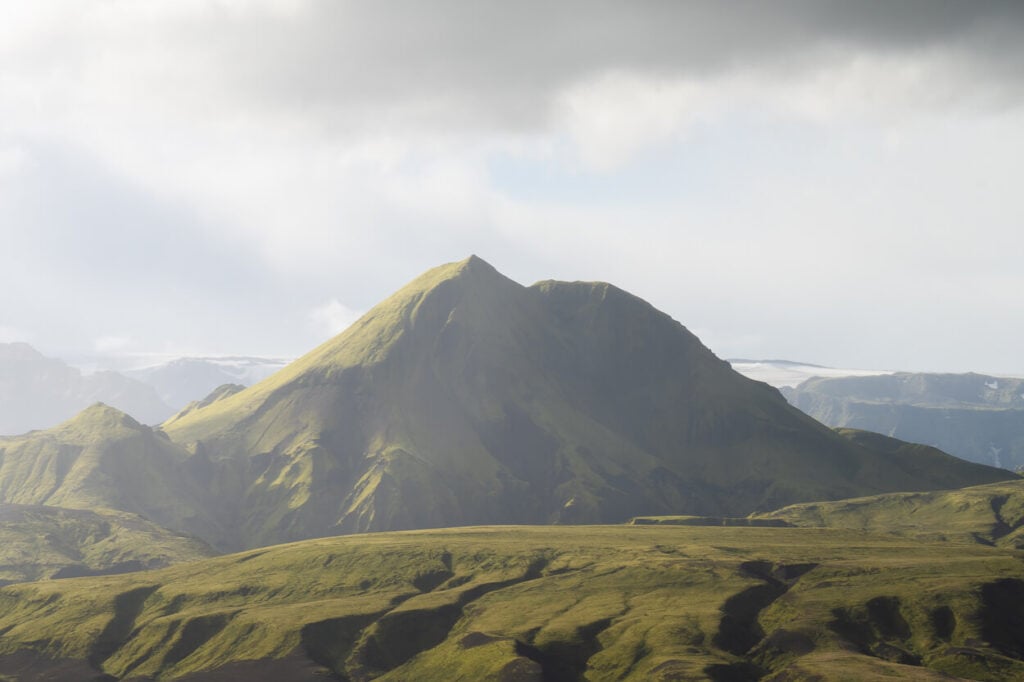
(104, 459)
(466, 398)
(977, 417)
(538, 603)
(219, 393)
(38, 542)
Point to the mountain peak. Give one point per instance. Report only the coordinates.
(102, 416)
(474, 261)
(19, 350)
(466, 398)
(473, 269)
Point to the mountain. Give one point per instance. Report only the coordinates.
(782, 373)
(219, 393)
(976, 417)
(37, 392)
(634, 603)
(182, 380)
(104, 459)
(466, 398)
(39, 542)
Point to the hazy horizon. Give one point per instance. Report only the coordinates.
(811, 181)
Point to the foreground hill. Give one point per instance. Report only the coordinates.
(989, 514)
(37, 392)
(467, 398)
(538, 603)
(974, 416)
(104, 459)
(39, 542)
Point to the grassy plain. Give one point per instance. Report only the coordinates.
(539, 603)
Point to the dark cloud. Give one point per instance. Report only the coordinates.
(213, 175)
(488, 62)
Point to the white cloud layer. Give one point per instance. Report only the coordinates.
(799, 179)
(105, 345)
(333, 317)
(14, 335)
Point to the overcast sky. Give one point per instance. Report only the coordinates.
(813, 181)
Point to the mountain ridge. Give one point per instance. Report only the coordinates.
(468, 398)
(977, 417)
(37, 392)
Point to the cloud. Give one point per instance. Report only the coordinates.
(10, 334)
(111, 344)
(504, 65)
(333, 317)
(183, 171)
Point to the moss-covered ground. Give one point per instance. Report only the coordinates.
(987, 514)
(539, 603)
(38, 542)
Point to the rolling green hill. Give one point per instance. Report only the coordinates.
(989, 514)
(39, 542)
(538, 603)
(104, 459)
(466, 398)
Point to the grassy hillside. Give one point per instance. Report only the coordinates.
(538, 603)
(988, 514)
(104, 459)
(467, 398)
(38, 542)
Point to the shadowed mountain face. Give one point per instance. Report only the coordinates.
(467, 398)
(977, 417)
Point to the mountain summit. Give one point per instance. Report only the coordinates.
(466, 398)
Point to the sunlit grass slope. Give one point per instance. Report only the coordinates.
(466, 398)
(39, 542)
(104, 459)
(988, 514)
(991, 514)
(539, 603)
